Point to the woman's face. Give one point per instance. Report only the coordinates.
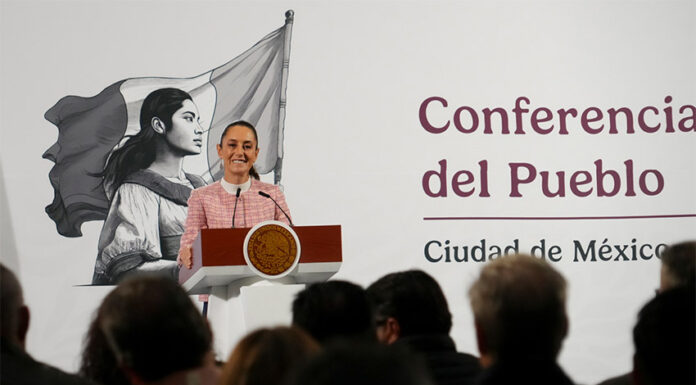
(238, 151)
(186, 135)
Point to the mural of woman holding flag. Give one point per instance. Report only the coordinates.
(119, 154)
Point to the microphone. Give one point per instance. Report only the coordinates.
(236, 199)
(265, 195)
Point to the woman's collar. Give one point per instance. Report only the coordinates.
(232, 188)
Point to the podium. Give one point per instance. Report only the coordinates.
(242, 300)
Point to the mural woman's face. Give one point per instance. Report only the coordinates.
(186, 135)
(238, 151)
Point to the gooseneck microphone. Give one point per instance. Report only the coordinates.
(236, 199)
(265, 195)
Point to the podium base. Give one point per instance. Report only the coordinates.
(237, 309)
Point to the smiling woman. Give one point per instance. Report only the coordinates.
(239, 199)
(238, 150)
(148, 190)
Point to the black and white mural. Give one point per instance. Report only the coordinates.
(120, 154)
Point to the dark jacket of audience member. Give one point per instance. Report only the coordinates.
(153, 331)
(268, 356)
(16, 366)
(624, 379)
(665, 339)
(411, 310)
(334, 310)
(677, 269)
(519, 312)
(350, 363)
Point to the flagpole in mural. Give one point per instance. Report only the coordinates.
(250, 87)
(289, 19)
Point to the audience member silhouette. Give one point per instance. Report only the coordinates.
(665, 339)
(268, 356)
(155, 333)
(343, 363)
(519, 312)
(678, 268)
(334, 310)
(17, 366)
(678, 265)
(411, 310)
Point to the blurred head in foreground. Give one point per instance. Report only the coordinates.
(268, 356)
(678, 265)
(151, 330)
(334, 310)
(519, 309)
(409, 303)
(14, 313)
(665, 339)
(363, 363)
(16, 365)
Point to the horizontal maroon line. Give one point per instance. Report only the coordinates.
(556, 218)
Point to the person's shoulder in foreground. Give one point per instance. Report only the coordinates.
(18, 367)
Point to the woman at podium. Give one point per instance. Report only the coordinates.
(239, 199)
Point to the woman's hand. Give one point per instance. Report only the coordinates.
(185, 258)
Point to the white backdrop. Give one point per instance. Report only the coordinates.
(355, 151)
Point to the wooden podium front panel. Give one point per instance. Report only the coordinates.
(320, 243)
(222, 247)
(216, 247)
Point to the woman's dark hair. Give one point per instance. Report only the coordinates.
(139, 151)
(334, 310)
(244, 123)
(140, 319)
(268, 356)
(98, 361)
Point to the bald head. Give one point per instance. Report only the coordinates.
(15, 315)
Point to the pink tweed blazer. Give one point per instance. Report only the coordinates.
(211, 207)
